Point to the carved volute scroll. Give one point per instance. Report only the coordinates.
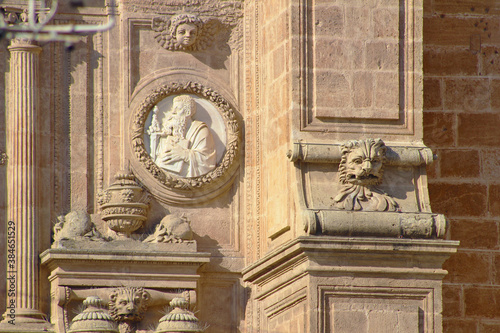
(360, 171)
(186, 136)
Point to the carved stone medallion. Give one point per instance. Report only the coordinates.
(187, 137)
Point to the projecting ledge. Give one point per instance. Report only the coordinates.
(331, 282)
(379, 257)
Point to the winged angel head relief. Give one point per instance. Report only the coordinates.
(185, 32)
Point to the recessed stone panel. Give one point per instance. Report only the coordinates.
(361, 67)
(372, 34)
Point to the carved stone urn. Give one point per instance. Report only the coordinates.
(93, 318)
(180, 319)
(124, 205)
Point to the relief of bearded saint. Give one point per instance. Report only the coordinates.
(182, 146)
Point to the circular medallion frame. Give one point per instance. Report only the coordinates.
(187, 189)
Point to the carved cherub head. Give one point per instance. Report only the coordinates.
(184, 30)
(362, 162)
(128, 304)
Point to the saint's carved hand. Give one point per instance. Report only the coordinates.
(176, 153)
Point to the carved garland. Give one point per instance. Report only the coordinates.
(232, 127)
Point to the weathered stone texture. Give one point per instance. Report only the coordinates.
(461, 103)
(274, 92)
(350, 72)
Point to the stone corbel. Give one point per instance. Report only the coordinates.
(332, 153)
(360, 207)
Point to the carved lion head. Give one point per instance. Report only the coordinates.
(128, 304)
(362, 162)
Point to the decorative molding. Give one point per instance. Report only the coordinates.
(258, 141)
(369, 224)
(422, 299)
(332, 153)
(99, 116)
(351, 119)
(230, 157)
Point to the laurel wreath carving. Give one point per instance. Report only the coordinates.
(224, 108)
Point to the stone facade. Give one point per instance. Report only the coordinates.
(460, 106)
(258, 166)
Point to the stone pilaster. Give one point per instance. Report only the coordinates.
(322, 284)
(22, 265)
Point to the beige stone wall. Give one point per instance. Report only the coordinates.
(461, 119)
(275, 108)
(285, 88)
(88, 96)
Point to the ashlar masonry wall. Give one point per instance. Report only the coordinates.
(461, 125)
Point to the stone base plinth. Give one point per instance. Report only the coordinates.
(27, 328)
(344, 285)
(164, 271)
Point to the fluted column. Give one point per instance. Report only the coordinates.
(22, 178)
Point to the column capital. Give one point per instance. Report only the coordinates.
(24, 44)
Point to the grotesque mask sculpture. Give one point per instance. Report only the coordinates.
(127, 306)
(360, 170)
(362, 162)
